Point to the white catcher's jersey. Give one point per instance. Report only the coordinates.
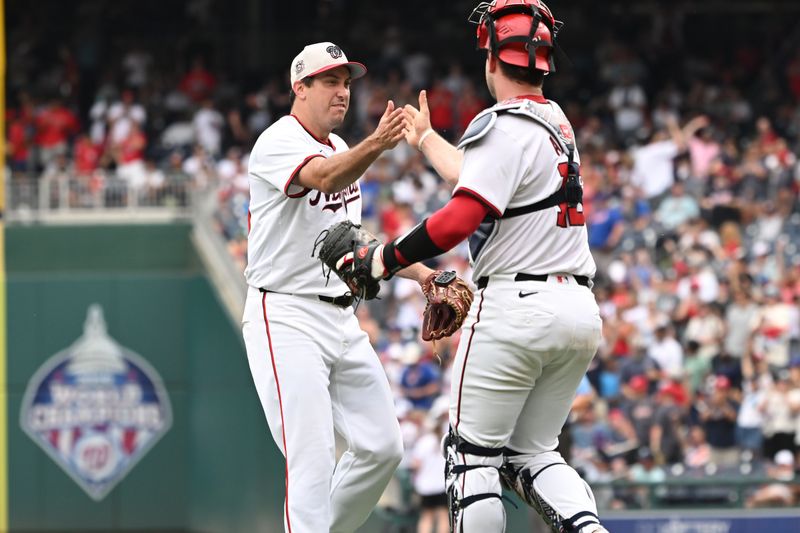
(514, 163)
(285, 218)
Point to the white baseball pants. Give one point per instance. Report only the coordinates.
(524, 349)
(315, 372)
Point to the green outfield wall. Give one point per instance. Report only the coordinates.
(216, 469)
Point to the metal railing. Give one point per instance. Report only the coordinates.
(676, 493)
(66, 196)
(708, 492)
(103, 198)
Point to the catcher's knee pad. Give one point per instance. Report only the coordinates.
(474, 494)
(555, 490)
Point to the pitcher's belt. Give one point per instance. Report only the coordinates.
(341, 301)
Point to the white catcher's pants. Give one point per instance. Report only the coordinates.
(523, 351)
(315, 371)
(520, 360)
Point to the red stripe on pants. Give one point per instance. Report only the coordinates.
(464, 365)
(461, 383)
(280, 404)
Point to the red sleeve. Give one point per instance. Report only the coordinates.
(456, 221)
(463, 190)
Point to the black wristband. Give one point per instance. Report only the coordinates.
(390, 261)
(417, 245)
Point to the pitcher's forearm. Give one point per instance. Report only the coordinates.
(333, 174)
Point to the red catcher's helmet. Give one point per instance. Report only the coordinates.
(519, 32)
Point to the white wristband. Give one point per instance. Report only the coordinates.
(377, 268)
(423, 137)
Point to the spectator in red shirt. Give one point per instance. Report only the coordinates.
(20, 139)
(129, 156)
(55, 125)
(18, 146)
(442, 108)
(85, 182)
(198, 84)
(767, 139)
(21, 131)
(469, 104)
(396, 218)
(131, 148)
(86, 155)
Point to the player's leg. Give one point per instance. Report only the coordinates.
(442, 520)
(536, 472)
(491, 380)
(425, 522)
(291, 378)
(364, 415)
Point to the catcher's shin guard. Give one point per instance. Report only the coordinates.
(472, 479)
(556, 491)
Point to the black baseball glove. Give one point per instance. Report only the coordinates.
(348, 249)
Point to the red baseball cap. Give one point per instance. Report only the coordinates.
(638, 383)
(722, 382)
(674, 390)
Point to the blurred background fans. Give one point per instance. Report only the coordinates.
(128, 127)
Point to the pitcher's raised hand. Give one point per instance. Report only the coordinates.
(391, 127)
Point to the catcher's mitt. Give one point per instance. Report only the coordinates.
(449, 300)
(347, 250)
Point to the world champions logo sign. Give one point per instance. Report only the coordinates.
(96, 408)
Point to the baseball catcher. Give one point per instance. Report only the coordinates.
(350, 251)
(536, 325)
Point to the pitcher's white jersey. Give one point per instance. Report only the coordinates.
(517, 162)
(285, 218)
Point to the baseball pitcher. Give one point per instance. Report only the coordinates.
(313, 367)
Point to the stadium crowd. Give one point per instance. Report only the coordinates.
(691, 183)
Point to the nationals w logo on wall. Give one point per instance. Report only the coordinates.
(96, 408)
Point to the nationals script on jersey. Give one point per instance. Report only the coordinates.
(517, 163)
(285, 218)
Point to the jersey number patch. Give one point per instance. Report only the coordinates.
(568, 216)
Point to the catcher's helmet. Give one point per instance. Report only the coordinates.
(518, 32)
